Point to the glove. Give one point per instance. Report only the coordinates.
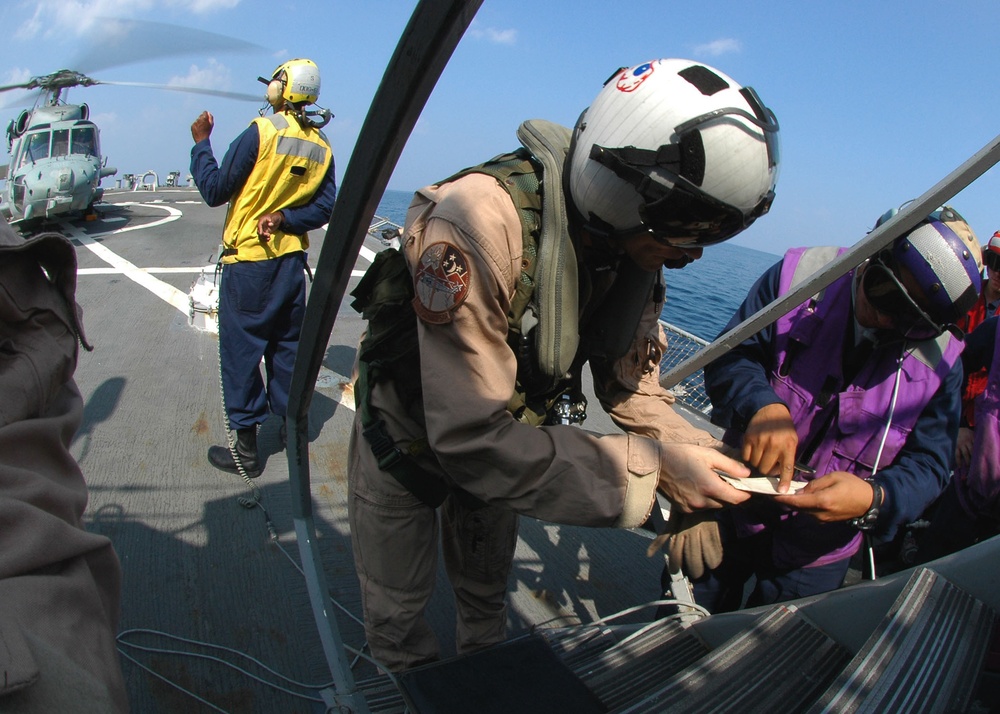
(693, 543)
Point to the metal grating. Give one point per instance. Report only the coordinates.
(681, 345)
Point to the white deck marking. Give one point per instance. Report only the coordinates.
(151, 271)
(327, 379)
(369, 255)
(166, 292)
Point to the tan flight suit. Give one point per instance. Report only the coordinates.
(59, 584)
(562, 474)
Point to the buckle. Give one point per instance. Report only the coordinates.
(381, 444)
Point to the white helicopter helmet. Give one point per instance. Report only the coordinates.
(677, 148)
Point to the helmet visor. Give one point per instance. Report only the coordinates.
(688, 217)
(886, 293)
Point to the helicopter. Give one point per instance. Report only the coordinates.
(56, 166)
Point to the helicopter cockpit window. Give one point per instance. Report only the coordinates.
(60, 142)
(36, 147)
(84, 141)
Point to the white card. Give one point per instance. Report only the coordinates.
(767, 485)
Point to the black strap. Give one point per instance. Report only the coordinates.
(430, 490)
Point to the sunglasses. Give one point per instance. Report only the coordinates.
(992, 260)
(887, 295)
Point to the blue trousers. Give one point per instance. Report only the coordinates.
(261, 306)
(723, 589)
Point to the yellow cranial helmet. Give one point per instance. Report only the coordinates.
(294, 82)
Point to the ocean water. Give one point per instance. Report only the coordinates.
(701, 298)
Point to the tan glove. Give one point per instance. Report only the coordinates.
(693, 543)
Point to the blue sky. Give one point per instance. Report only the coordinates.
(877, 101)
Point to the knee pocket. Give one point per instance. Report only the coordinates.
(486, 539)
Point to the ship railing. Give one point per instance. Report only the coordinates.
(681, 345)
(386, 231)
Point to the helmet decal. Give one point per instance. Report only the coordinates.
(631, 79)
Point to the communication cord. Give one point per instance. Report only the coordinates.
(277, 681)
(869, 546)
(254, 499)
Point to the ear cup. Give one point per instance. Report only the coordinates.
(274, 88)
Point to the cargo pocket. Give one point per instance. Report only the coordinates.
(861, 438)
(249, 287)
(483, 539)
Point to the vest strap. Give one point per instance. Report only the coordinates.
(429, 489)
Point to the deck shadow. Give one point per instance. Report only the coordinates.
(230, 579)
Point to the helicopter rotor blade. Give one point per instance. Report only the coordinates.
(239, 96)
(23, 100)
(125, 42)
(23, 85)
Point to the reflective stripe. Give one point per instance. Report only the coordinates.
(931, 352)
(293, 146)
(811, 261)
(279, 121)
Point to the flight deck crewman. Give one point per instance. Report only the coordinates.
(512, 275)
(278, 177)
(856, 392)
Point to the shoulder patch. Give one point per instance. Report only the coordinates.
(440, 283)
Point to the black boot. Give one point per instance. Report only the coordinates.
(246, 447)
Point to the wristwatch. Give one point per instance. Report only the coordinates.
(868, 520)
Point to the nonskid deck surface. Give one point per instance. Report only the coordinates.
(199, 565)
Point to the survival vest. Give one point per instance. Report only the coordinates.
(291, 164)
(390, 350)
(384, 296)
(975, 382)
